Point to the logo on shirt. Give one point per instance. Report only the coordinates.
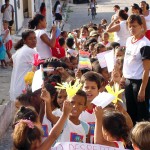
(74, 137)
(92, 127)
(45, 130)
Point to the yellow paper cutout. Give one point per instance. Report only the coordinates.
(28, 78)
(70, 89)
(115, 92)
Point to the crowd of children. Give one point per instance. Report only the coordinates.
(48, 115)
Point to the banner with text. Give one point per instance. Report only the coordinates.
(81, 146)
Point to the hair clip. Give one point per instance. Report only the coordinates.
(28, 122)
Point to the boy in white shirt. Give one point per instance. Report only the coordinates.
(74, 130)
(92, 83)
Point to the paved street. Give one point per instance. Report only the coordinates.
(77, 18)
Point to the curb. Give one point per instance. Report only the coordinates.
(6, 116)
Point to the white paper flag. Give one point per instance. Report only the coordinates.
(101, 59)
(110, 59)
(103, 99)
(37, 80)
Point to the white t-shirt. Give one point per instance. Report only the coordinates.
(22, 63)
(47, 126)
(90, 119)
(58, 9)
(107, 44)
(147, 19)
(133, 65)
(122, 35)
(72, 52)
(7, 15)
(74, 133)
(8, 36)
(43, 49)
(57, 112)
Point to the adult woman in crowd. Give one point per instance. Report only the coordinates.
(136, 10)
(146, 12)
(120, 30)
(136, 71)
(44, 42)
(22, 62)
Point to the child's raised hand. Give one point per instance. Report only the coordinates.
(67, 108)
(98, 112)
(78, 74)
(119, 107)
(45, 95)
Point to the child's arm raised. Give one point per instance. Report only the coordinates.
(128, 118)
(48, 109)
(98, 134)
(58, 127)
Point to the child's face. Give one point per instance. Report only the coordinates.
(74, 63)
(91, 90)
(84, 32)
(105, 37)
(119, 54)
(78, 103)
(31, 40)
(105, 74)
(5, 25)
(62, 96)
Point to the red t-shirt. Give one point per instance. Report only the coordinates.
(43, 12)
(58, 51)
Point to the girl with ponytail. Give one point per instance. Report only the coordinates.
(44, 42)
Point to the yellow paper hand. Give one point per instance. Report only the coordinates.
(70, 89)
(114, 91)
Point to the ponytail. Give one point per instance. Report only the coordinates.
(24, 135)
(19, 44)
(33, 23)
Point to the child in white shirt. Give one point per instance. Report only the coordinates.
(74, 130)
(92, 86)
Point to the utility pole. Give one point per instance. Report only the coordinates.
(49, 16)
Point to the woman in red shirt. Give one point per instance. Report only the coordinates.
(43, 9)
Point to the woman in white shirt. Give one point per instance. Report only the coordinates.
(22, 62)
(44, 42)
(136, 71)
(120, 30)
